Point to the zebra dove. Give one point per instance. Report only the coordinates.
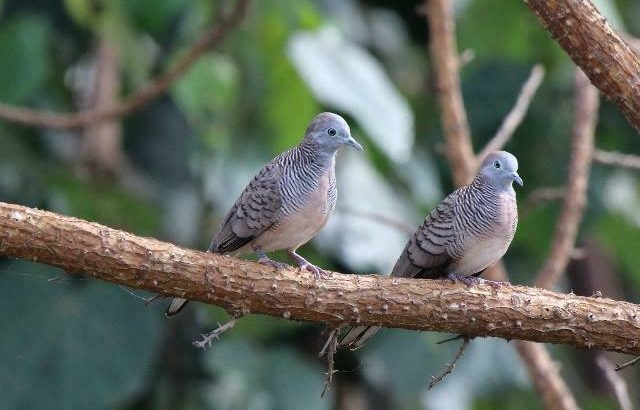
(467, 232)
(287, 202)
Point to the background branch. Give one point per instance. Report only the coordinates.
(512, 312)
(586, 103)
(446, 65)
(516, 115)
(139, 98)
(545, 376)
(595, 47)
(617, 159)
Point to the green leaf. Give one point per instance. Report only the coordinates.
(83, 12)
(288, 103)
(621, 238)
(249, 376)
(207, 94)
(71, 343)
(110, 206)
(24, 45)
(505, 29)
(153, 16)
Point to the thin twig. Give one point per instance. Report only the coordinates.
(517, 113)
(146, 301)
(617, 159)
(542, 195)
(451, 339)
(450, 366)
(139, 98)
(394, 223)
(329, 350)
(627, 364)
(208, 338)
(586, 104)
(617, 383)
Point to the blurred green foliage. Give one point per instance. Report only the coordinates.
(75, 343)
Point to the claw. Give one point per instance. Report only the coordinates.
(304, 264)
(270, 262)
(474, 280)
(318, 273)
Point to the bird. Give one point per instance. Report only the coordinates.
(470, 230)
(287, 202)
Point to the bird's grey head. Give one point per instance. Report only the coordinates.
(329, 131)
(500, 169)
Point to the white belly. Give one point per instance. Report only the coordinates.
(480, 254)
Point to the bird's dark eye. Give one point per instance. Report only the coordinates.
(496, 164)
(331, 131)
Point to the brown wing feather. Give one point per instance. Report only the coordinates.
(255, 211)
(426, 255)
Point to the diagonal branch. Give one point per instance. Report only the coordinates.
(617, 159)
(139, 98)
(446, 65)
(511, 312)
(517, 113)
(586, 103)
(545, 376)
(596, 48)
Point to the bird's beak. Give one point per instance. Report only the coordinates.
(517, 178)
(353, 143)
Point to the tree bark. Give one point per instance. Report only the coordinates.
(596, 48)
(511, 312)
(455, 126)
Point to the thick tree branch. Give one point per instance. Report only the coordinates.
(596, 48)
(139, 98)
(446, 65)
(516, 312)
(586, 103)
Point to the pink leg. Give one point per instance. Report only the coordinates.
(474, 280)
(308, 266)
(265, 260)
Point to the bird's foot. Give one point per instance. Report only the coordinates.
(265, 260)
(304, 264)
(495, 284)
(474, 280)
(467, 280)
(318, 273)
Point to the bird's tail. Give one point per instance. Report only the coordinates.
(357, 336)
(177, 304)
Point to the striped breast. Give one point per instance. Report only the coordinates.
(309, 197)
(485, 224)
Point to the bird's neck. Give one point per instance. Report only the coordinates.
(491, 188)
(317, 155)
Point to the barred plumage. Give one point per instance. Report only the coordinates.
(288, 201)
(468, 231)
